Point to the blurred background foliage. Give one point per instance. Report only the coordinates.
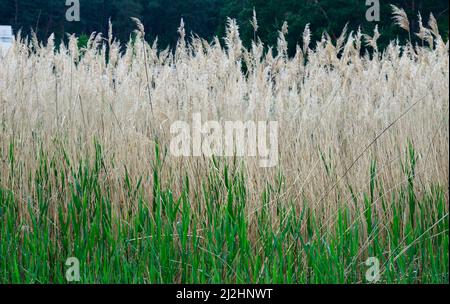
(207, 18)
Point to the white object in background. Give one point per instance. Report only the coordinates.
(6, 38)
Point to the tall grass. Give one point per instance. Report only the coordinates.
(85, 169)
(210, 239)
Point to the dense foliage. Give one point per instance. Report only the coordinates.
(87, 168)
(207, 18)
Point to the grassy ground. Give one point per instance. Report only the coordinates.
(213, 238)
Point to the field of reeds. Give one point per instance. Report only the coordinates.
(86, 170)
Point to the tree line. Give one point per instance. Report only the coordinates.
(207, 18)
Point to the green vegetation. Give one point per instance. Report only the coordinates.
(207, 18)
(204, 235)
(361, 175)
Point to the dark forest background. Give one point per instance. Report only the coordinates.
(207, 18)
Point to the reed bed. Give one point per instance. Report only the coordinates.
(85, 169)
